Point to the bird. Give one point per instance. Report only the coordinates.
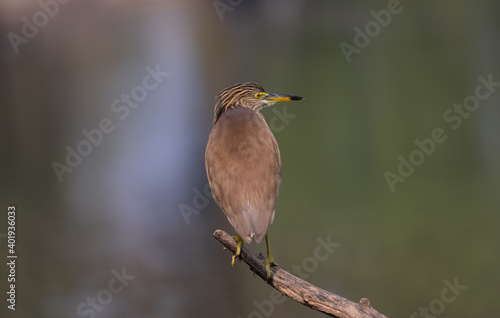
(243, 163)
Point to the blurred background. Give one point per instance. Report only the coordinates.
(140, 78)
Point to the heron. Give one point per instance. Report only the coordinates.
(243, 163)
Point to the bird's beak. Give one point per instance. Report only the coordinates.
(273, 98)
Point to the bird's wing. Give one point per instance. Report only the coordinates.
(243, 168)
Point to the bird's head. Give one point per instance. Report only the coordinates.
(250, 95)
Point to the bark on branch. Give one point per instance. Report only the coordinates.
(300, 290)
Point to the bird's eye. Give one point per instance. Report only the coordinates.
(260, 95)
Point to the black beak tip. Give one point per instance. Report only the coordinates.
(296, 98)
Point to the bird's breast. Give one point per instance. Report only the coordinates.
(243, 159)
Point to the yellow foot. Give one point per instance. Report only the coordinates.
(269, 259)
(238, 240)
(268, 262)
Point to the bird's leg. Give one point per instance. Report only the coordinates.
(269, 259)
(238, 240)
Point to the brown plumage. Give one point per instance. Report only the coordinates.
(243, 166)
(243, 159)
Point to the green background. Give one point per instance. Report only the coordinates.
(122, 206)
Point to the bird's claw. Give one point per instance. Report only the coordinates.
(239, 240)
(268, 262)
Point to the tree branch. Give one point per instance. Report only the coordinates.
(300, 290)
